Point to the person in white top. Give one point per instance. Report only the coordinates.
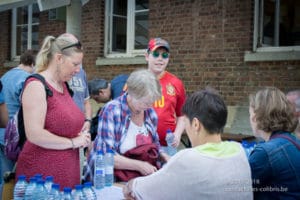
(211, 169)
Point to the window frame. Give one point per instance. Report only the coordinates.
(14, 26)
(130, 51)
(268, 53)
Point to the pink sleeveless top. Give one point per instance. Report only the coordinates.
(65, 119)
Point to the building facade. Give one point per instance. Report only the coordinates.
(235, 46)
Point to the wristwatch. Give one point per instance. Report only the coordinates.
(88, 120)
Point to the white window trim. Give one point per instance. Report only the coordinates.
(130, 52)
(269, 53)
(14, 55)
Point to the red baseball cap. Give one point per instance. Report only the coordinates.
(155, 43)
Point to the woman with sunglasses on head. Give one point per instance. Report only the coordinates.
(168, 107)
(127, 123)
(53, 122)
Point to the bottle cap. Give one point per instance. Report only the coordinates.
(99, 152)
(49, 178)
(169, 130)
(67, 190)
(21, 177)
(87, 184)
(78, 187)
(55, 186)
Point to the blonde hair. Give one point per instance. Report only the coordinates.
(143, 83)
(51, 46)
(273, 111)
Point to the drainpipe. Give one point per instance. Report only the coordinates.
(73, 18)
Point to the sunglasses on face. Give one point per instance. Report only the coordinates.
(156, 54)
(77, 45)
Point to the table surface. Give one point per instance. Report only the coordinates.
(237, 137)
(114, 192)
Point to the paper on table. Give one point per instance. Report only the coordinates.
(111, 193)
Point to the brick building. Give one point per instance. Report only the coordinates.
(221, 43)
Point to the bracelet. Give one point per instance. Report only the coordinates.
(88, 120)
(73, 146)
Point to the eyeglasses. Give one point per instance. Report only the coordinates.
(77, 45)
(156, 54)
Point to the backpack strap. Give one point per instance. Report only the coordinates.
(42, 79)
(69, 89)
(21, 128)
(287, 138)
(48, 91)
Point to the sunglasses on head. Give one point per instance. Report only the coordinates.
(77, 45)
(156, 54)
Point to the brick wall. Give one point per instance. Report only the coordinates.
(208, 39)
(4, 39)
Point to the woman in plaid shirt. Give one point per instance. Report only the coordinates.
(129, 121)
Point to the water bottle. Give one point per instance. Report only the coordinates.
(88, 191)
(78, 193)
(109, 167)
(20, 188)
(169, 139)
(67, 194)
(99, 171)
(54, 193)
(40, 191)
(48, 183)
(29, 192)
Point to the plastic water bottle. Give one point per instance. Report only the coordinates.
(99, 171)
(169, 139)
(78, 193)
(54, 192)
(48, 183)
(109, 167)
(67, 194)
(29, 192)
(38, 176)
(89, 192)
(40, 191)
(20, 188)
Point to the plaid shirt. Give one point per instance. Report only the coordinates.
(114, 120)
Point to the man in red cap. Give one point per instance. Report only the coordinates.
(168, 108)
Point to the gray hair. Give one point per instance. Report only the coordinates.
(143, 83)
(97, 84)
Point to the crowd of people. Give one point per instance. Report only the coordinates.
(137, 110)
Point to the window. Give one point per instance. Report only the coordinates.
(276, 34)
(25, 29)
(126, 27)
(277, 24)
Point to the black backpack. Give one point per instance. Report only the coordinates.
(15, 137)
(94, 125)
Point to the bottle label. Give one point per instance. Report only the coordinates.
(109, 170)
(100, 171)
